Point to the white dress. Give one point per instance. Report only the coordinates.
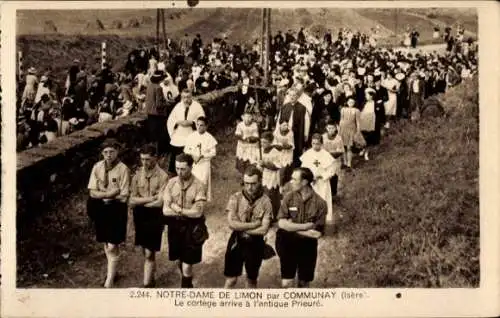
(271, 178)
(390, 106)
(407, 40)
(321, 164)
(334, 145)
(286, 155)
(367, 117)
(245, 151)
(202, 145)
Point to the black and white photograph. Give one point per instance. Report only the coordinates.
(198, 145)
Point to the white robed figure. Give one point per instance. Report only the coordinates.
(185, 112)
(392, 86)
(322, 166)
(201, 145)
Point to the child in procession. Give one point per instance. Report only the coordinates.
(270, 166)
(109, 190)
(201, 145)
(322, 165)
(334, 145)
(283, 141)
(349, 128)
(247, 149)
(146, 202)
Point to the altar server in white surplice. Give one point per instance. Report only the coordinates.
(201, 145)
(322, 166)
(270, 166)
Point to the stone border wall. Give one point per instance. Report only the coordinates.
(62, 166)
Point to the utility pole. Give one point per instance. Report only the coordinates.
(267, 46)
(397, 16)
(164, 29)
(157, 42)
(160, 23)
(262, 37)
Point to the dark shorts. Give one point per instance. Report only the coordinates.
(243, 251)
(149, 225)
(180, 244)
(297, 255)
(109, 220)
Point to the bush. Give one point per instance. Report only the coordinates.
(97, 25)
(117, 24)
(134, 23)
(49, 27)
(306, 21)
(146, 20)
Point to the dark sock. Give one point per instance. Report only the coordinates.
(302, 284)
(187, 282)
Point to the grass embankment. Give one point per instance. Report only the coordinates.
(411, 216)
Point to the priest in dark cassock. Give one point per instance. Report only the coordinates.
(297, 117)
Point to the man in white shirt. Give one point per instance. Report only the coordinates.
(181, 124)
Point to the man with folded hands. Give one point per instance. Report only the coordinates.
(301, 222)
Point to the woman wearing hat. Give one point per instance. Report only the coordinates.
(390, 106)
(43, 88)
(369, 125)
(109, 190)
(29, 92)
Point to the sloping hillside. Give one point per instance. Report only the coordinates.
(242, 24)
(79, 35)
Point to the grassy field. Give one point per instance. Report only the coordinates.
(412, 214)
(410, 218)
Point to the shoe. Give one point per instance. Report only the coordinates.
(366, 157)
(151, 284)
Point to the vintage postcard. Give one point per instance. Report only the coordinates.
(250, 158)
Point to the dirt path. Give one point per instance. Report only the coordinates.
(87, 269)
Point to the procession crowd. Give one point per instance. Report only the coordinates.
(330, 99)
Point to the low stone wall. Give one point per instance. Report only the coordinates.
(61, 167)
